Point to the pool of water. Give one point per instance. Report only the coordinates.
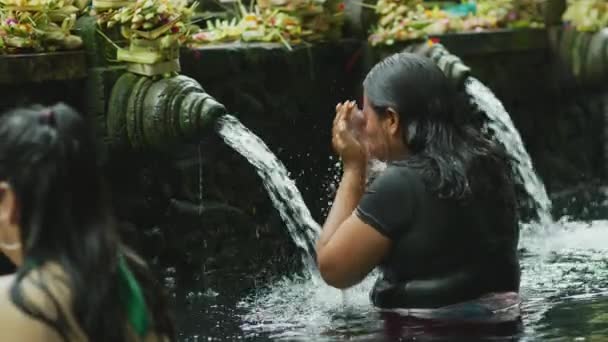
(564, 287)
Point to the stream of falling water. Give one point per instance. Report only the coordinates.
(500, 123)
(282, 190)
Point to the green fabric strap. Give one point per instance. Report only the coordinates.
(133, 299)
(131, 296)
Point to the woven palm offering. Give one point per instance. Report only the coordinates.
(405, 20)
(38, 26)
(319, 19)
(288, 22)
(154, 30)
(587, 15)
(251, 26)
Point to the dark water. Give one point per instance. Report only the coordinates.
(564, 286)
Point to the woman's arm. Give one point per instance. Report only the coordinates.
(353, 251)
(348, 249)
(348, 195)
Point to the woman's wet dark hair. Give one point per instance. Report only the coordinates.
(439, 125)
(47, 155)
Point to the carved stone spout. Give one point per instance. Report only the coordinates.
(451, 65)
(144, 113)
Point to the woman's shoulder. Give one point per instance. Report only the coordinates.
(396, 183)
(6, 281)
(401, 173)
(6, 305)
(44, 289)
(404, 167)
(16, 324)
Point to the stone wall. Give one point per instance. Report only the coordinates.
(43, 78)
(288, 99)
(45, 92)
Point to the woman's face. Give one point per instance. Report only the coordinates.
(10, 242)
(381, 135)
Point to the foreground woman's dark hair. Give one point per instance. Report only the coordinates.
(48, 157)
(455, 158)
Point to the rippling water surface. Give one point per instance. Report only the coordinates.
(564, 286)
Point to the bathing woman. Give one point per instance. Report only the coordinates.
(440, 222)
(74, 279)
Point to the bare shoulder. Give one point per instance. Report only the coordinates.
(6, 305)
(6, 281)
(16, 324)
(5, 288)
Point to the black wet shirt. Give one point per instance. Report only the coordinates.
(444, 251)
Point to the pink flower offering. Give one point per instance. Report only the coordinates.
(201, 36)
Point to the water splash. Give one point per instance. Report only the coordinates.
(374, 168)
(307, 309)
(504, 130)
(282, 190)
(564, 263)
(330, 186)
(200, 180)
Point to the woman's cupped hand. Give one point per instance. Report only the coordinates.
(344, 140)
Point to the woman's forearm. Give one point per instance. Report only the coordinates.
(347, 198)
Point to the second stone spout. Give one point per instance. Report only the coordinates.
(144, 113)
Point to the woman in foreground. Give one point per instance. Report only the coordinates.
(440, 221)
(74, 279)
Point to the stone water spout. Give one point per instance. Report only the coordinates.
(451, 65)
(148, 113)
(584, 54)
